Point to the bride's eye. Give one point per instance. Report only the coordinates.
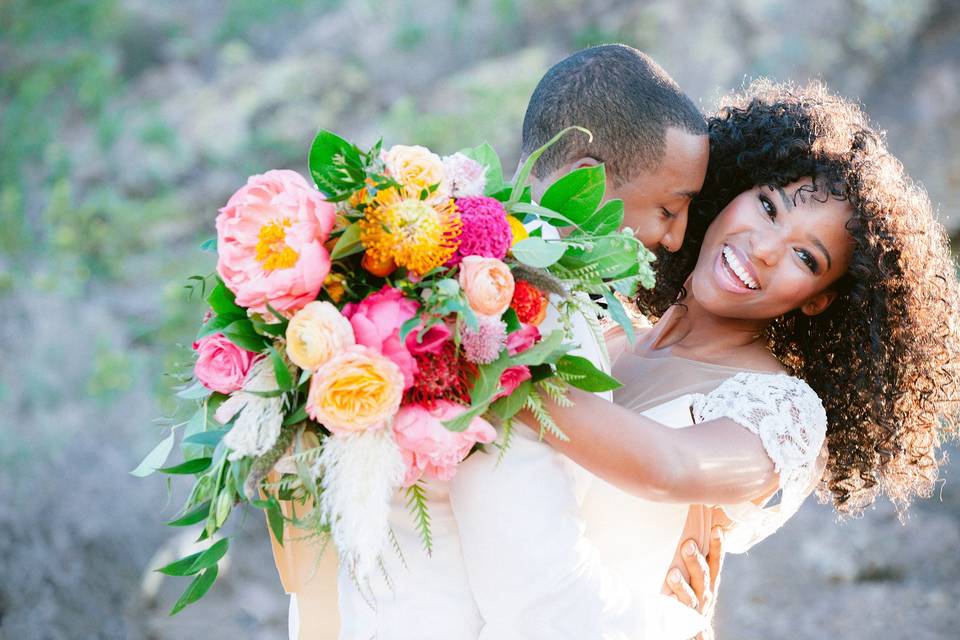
(809, 260)
(768, 207)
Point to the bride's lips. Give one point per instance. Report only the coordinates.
(725, 276)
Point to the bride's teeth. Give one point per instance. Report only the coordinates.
(738, 268)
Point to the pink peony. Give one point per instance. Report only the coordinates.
(221, 365)
(467, 177)
(377, 321)
(431, 450)
(511, 378)
(270, 238)
(486, 231)
(522, 339)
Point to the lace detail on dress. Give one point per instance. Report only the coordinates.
(791, 422)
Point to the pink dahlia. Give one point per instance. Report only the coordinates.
(270, 239)
(486, 231)
(484, 344)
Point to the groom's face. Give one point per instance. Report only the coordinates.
(655, 202)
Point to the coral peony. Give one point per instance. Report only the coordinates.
(221, 365)
(529, 303)
(430, 450)
(466, 176)
(488, 285)
(357, 389)
(316, 333)
(486, 231)
(270, 239)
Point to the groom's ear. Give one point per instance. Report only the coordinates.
(584, 161)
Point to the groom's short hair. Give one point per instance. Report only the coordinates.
(622, 96)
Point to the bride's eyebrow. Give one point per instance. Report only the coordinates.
(787, 202)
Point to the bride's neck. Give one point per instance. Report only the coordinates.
(690, 328)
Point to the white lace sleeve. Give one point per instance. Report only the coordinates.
(790, 420)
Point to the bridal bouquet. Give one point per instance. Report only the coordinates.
(365, 335)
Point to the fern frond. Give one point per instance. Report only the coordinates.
(396, 547)
(535, 404)
(557, 390)
(417, 505)
(506, 440)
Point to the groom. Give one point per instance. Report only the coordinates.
(531, 567)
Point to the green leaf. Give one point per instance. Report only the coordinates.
(206, 438)
(609, 255)
(283, 375)
(548, 348)
(211, 556)
(216, 324)
(618, 313)
(408, 326)
(335, 165)
(508, 406)
(181, 567)
(196, 391)
(155, 459)
(190, 466)
(462, 421)
(520, 184)
(222, 301)
(224, 505)
(198, 587)
(511, 319)
(348, 243)
(297, 416)
(606, 220)
(585, 375)
(534, 212)
(577, 194)
(198, 514)
(210, 244)
(537, 252)
(485, 155)
(275, 520)
(242, 334)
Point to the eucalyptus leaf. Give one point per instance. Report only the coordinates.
(195, 391)
(210, 244)
(206, 438)
(618, 313)
(537, 252)
(155, 459)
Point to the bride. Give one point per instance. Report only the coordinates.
(807, 336)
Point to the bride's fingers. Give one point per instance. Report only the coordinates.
(681, 590)
(698, 570)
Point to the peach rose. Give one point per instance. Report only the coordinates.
(356, 390)
(417, 167)
(487, 283)
(316, 333)
(270, 242)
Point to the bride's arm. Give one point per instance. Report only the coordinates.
(718, 462)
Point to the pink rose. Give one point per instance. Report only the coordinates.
(221, 365)
(511, 378)
(431, 450)
(377, 321)
(522, 339)
(487, 283)
(270, 239)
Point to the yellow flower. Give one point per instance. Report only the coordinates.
(417, 168)
(356, 390)
(415, 234)
(316, 333)
(334, 286)
(519, 231)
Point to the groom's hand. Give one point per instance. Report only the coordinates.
(700, 592)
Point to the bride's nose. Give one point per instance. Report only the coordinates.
(766, 246)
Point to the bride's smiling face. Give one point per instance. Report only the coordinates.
(771, 251)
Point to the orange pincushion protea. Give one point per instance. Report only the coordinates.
(413, 233)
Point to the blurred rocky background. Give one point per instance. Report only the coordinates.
(125, 124)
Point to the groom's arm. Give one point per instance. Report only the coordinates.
(700, 592)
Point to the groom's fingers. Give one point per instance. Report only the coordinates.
(698, 569)
(681, 590)
(715, 557)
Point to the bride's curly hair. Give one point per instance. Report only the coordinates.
(885, 356)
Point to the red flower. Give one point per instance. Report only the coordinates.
(441, 376)
(529, 303)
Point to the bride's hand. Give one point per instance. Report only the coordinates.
(700, 592)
